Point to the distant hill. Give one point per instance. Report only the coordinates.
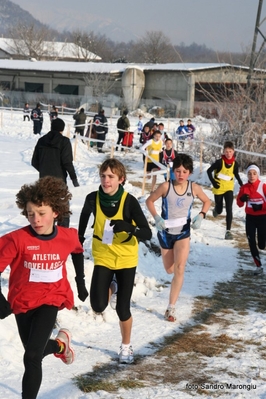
(64, 20)
(11, 14)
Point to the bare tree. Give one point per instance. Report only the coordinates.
(100, 83)
(241, 116)
(88, 43)
(154, 48)
(29, 41)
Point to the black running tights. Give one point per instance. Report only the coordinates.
(35, 328)
(99, 291)
(256, 225)
(228, 198)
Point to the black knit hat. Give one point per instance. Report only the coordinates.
(58, 125)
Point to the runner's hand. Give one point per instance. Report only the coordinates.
(5, 308)
(159, 223)
(196, 222)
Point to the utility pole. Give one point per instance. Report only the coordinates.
(254, 57)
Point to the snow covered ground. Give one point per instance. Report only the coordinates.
(96, 341)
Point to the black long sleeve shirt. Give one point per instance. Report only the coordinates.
(217, 166)
(131, 212)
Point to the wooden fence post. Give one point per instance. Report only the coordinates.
(144, 174)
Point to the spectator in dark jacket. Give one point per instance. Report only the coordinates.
(53, 113)
(53, 156)
(122, 125)
(190, 129)
(101, 127)
(150, 123)
(37, 118)
(80, 120)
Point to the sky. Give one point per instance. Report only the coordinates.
(222, 25)
(96, 341)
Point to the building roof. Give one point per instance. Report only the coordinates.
(52, 49)
(101, 67)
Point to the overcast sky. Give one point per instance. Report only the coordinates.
(224, 25)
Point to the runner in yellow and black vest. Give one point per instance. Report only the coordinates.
(224, 171)
(153, 147)
(119, 223)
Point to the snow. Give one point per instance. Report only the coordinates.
(102, 67)
(54, 49)
(96, 340)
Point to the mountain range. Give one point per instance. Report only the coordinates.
(61, 20)
(11, 14)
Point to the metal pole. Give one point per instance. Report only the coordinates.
(253, 51)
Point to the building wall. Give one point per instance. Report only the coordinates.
(169, 87)
(159, 84)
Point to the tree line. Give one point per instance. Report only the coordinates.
(153, 47)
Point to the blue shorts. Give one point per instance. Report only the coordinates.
(172, 175)
(167, 240)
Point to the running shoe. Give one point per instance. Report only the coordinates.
(214, 213)
(126, 354)
(228, 235)
(258, 271)
(170, 314)
(64, 337)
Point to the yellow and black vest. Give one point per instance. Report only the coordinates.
(123, 252)
(154, 150)
(225, 177)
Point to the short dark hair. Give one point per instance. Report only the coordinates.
(183, 160)
(229, 144)
(58, 125)
(156, 131)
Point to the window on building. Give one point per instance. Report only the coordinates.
(34, 87)
(5, 85)
(67, 89)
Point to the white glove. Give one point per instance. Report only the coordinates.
(196, 222)
(159, 223)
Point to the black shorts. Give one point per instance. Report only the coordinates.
(150, 166)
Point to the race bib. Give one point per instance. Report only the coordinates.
(224, 177)
(175, 222)
(46, 276)
(108, 233)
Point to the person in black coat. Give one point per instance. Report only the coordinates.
(53, 156)
(37, 118)
(101, 127)
(150, 123)
(80, 121)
